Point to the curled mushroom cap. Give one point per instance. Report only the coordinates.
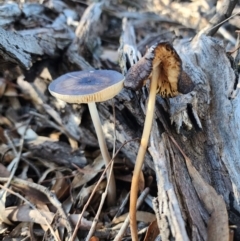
(164, 59)
(87, 86)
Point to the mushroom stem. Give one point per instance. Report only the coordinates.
(141, 153)
(111, 197)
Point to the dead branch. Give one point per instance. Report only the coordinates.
(219, 18)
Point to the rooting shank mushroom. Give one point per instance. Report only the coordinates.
(163, 66)
(90, 87)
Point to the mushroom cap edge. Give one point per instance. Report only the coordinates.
(87, 86)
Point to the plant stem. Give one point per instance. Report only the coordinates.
(111, 197)
(141, 153)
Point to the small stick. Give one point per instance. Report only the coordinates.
(121, 208)
(126, 222)
(141, 153)
(220, 17)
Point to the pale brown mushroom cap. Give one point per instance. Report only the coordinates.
(87, 86)
(162, 57)
(170, 65)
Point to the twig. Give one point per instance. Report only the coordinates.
(31, 165)
(220, 17)
(122, 205)
(127, 220)
(33, 207)
(9, 141)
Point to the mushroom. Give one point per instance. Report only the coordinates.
(163, 66)
(90, 87)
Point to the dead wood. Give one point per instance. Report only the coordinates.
(219, 18)
(192, 166)
(58, 152)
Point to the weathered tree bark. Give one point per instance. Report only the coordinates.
(205, 126)
(213, 146)
(204, 123)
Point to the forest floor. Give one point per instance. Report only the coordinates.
(51, 170)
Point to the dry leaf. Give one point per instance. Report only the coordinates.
(73, 143)
(25, 213)
(5, 121)
(10, 91)
(20, 230)
(3, 217)
(41, 86)
(54, 114)
(29, 91)
(57, 152)
(61, 186)
(86, 191)
(6, 153)
(152, 231)
(14, 102)
(89, 172)
(4, 171)
(36, 196)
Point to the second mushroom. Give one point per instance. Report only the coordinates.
(163, 66)
(90, 87)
